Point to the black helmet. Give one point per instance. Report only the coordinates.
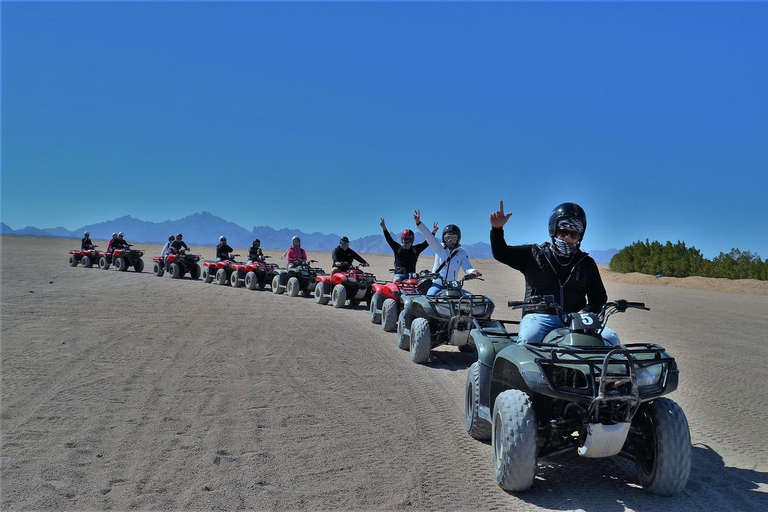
(344, 240)
(452, 229)
(256, 242)
(566, 211)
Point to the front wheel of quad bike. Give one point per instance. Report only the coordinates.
(103, 263)
(320, 297)
(276, 285)
(389, 315)
(175, 271)
(403, 340)
(221, 276)
(513, 440)
(339, 296)
(207, 275)
(194, 272)
(158, 269)
(477, 427)
(293, 287)
(421, 340)
(662, 441)
(251, 281)
(375, 305)
(72, 260)
(139, 266)
(121, 264)
(86, 261)
(234, 279)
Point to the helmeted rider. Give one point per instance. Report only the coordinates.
(223, 251)
(343, 257)
(120, 242)
(178, 244)
(295, 252)
(166, 247)
(558, 268)
(111, 243)
(86, 244)
(255, 253)
(449, 254)
(406, 253)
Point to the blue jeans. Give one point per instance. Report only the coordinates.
(438, 286)
(534, 326)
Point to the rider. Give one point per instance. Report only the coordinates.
(449, 255)
(120, 242)
(558, 268)
(166, 250)
(223, 250)
(86, 244)
(177, 244)
(111, 244)
(254, 253)
(295, 252)
(342, 257)
(407, 254)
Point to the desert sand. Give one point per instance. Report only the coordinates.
(128, 391)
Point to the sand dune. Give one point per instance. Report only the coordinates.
(124, 390)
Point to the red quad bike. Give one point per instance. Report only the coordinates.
(386, 304)
(353, 284)
(256, 274)
(88, 257)
(219, 270)
(178, 265)
(124, 258)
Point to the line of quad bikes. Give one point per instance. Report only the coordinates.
(531, 401)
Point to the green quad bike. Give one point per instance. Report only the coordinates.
(572, 392)
(428, 321)
(300, 278)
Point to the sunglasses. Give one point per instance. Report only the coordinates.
(567, 233)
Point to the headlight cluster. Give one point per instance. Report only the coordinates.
(443, 310)
(649, 375)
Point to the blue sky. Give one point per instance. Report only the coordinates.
(327, 116)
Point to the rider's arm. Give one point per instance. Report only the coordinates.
(391, 241)
(433, 242)
(516, 256)
(358, 257)
(596, 294)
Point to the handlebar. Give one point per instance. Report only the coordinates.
(548, 302)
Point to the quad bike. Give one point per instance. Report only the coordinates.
(88, 257)
(385, 305)
(122, 259)
(178, 265)
(299, 278)
(221, 270)
(575, 391)
(353, 284)
(441, 319)
(256, 274)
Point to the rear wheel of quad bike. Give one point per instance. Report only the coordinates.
(375, 306)
(139, 266)
(207, 275)
(121, 264)
(86, 261)
(72, 260)
(514, 441)
(276, 285)
(403, 340)
(477, 427)
(421, 340)
(663, 445)
(293, 287)
(194, 272)
(251, 281)
(175, 271)
(158, 269)
(103, 263)
(234, 279)
(389, 315)
(320, 297)
(221, 276)
(339, 296)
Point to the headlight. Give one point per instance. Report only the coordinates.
(304, 273)
(480, 310)
(649, 375)
(443, 310)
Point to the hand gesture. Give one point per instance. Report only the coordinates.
(417, 216)
(382, 224)
(498, 219)
(434, 228)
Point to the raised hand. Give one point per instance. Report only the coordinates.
(417, 216)
(434, 228)
(498, 219)
(382, 224)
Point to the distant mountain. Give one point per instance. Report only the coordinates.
(205, 228)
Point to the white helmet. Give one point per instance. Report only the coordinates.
(114, 235)
(222, 238)
(120, 235)
(294, 240)
(86, 234)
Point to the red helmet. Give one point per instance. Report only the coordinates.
(178, 236)
(406, 237)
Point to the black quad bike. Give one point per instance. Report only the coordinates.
(441, 319)
(300, 278)
(575, 391)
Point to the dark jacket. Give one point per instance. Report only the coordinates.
(85, 244)
(223, 251)
(118, 243)
(255, 254)
(345, 256)
(576, 285)
(178, 244)
(405, 258)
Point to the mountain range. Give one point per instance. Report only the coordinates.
(205, 228)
